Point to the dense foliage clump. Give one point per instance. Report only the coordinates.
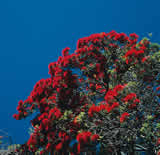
(102, 98)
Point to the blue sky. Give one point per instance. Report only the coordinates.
(33, 34)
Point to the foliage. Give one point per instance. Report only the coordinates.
(99, 98)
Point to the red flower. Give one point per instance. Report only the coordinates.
(58, 90)
(136, 100)
(158, 88)
(110, 95)
(65, 73)
(54, 112)
(118, 88)
(44, 115)
(114, 105)
(84, 68)
(45, 123)
(98, 86)
(32, 140)
(145, 58)
(59, 146)
(83, 137)
(79, 147)
(124, 116)
(98, 67)
(20, 103)
(65, 51)
(134, 35)
(62, 134)
(130, 52)
(108, 108)
(86, 136)
(48, 146)
(79, 137)
(94, 137)
(129, 97)
(139, 52)
(158, 141)
(102, 107)
(16, 116)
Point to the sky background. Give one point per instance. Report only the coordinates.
(34, 32)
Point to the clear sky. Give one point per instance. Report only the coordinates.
(34, 32)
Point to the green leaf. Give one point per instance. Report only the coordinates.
(158, 125)
(145, 124)
(149, 117)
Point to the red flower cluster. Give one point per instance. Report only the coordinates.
(106, 107)
(136, 53)
(84, 138)
(113, 93)
(124, 116)
(129, 97)
(54, 112)
(32, 142)
(65, 51)
(110, 95)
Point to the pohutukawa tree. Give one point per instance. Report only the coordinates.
(101, 98)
